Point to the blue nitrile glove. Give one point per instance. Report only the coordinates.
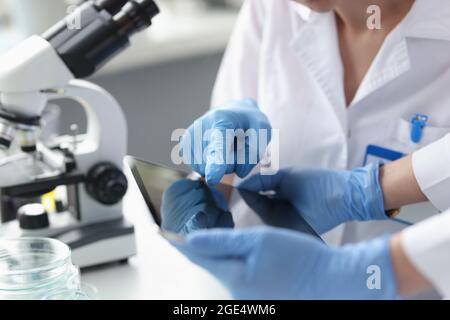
(326, 198)
(212, 155)
(271, 263)
(189, 205)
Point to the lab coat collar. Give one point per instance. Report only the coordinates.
(305, 13)
(428, 19)
(315, 41)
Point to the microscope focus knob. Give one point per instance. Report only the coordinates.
(107, 184)
(33, 217)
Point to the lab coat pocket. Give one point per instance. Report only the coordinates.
(400, 140)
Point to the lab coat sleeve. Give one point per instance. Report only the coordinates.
(427, 245)
(431, 166)
(238, 75)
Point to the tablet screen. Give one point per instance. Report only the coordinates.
(233, 207)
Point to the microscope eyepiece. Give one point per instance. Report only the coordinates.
(112, 6)
(136, 15)
(106, 26)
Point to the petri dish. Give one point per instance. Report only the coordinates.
(34, 268)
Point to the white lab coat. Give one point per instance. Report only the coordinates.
(427, 244)
(287, 58)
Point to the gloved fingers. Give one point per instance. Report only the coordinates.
(219, 198)
(182, 202)
(227, 270)
(181, 187)
(225, 220)
(247, 102)
(264, 132)
(207, 216)
(250, 103)
(368, 178)
(180, 198)
(247, 156)
(261, 205)
(220, 155)
(254, 152)
(251, 145)
(191, 151)
(243, 170)
(222, 243)
(204, 218)
(214, 173)
(260, 182)
(199, 221)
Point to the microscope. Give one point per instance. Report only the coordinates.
(83, 172)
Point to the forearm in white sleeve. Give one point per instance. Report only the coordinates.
(431, 167)
(239, 73)
(427, 246)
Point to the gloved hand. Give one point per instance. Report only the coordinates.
(221, 155)
(189, 205)
(270, 263)
(326, 198)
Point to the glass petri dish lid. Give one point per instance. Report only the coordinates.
(32, 263)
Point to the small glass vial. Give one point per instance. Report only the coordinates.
(38, 269)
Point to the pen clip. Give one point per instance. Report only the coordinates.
(418, 123)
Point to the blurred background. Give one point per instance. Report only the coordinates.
(163, 82)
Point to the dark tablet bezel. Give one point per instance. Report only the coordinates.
(132, 163)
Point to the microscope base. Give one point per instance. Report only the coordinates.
(101, 243)
(91, 245)
(106, 251)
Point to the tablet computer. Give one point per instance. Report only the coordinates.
(247, 209)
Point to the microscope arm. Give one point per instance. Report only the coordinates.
(25, 71)
(106, 136)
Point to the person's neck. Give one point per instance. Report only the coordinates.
(353, 13)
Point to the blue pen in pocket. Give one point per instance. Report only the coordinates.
(418, 123)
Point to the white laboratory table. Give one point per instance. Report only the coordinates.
(157, 272)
